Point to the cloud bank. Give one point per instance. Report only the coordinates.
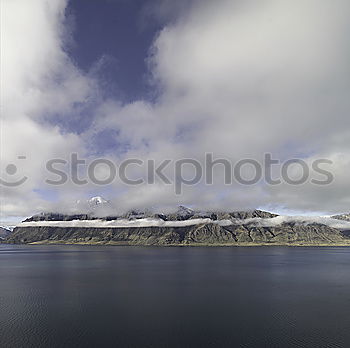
(148, 222)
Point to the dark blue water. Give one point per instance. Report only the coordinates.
(81, 296)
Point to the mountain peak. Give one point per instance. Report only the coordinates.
(184, 210)
(97, 201)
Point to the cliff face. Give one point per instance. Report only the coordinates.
(4, 233)
(200, 234)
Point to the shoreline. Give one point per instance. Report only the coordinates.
(126, 244)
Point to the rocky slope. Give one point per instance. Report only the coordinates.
(183, 227)
(4, 233)
(345, 217)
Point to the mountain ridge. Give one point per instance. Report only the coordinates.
(182, 226)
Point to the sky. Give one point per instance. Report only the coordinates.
(115, 37)
(158, 79)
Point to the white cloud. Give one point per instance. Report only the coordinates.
(241, 79)
(150, 222)
(38, 81)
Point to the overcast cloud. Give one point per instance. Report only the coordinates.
(234, 78)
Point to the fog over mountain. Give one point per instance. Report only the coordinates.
(183, 226)
(100, 223)
(234, 78)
